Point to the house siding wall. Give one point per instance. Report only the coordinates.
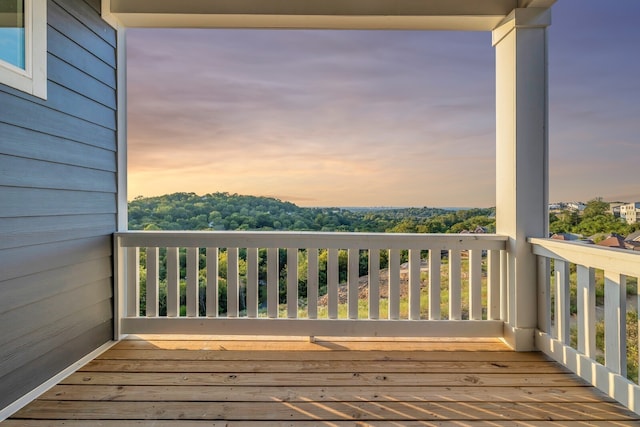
(58, 204)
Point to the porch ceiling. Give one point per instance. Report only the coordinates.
(465, 15)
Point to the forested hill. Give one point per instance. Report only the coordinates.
(224, 211)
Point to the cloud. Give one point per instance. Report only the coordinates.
(374, 118)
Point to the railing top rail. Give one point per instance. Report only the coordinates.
(309, 239)
(620, 260)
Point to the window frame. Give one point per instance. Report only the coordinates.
(33, 78)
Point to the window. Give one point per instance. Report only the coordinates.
(23, 45)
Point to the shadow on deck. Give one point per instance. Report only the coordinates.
(234, 381)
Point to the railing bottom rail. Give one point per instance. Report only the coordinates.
(315, 327)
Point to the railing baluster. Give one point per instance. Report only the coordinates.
(192, 282)
(252, 282)
(414, 284)
(133, 282)
(292, 283)
(615, 322)
(332, 282)
(352, 282)
(152, 282)
(562, 314)
(212, 282)
(273, 287)
(455, 286)
(504, 291)
(394, 284)
(475, 284)
(586, 290)
(544, 294)
(493, 285)
(434, 284)
(374, 283)
(173, 282)
(312, 283)
(233, 285)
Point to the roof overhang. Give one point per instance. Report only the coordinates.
(459, 15)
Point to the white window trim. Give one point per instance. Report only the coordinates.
(33, 79)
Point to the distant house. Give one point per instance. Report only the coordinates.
(614, 208)
(576, 206)
(566, 236)
(613, 241)
(633, 237)
(630, 212)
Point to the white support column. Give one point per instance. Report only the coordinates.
(521, 159)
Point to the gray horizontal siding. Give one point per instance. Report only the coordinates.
(58, 166)
(78, 81)
(22, 320)
(20, 171)
(20, 142)
(15, 382)
(26, 290)
(27, 260)
(83, 35)
(20, 202)
(19, 111)
(31, 346)
(65, 49)
(37, 230)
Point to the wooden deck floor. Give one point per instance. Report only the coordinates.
(154, 381)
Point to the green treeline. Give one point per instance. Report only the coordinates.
(224, 211)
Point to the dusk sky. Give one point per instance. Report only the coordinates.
(376, 118)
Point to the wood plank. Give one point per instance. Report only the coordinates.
(319, 379)
(271, 423)
(391, 411)
(455, 349)
(223, 353)
(301, 365)
(319, 394)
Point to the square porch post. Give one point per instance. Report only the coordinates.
(520, 43)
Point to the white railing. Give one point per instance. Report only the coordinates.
(585, 295)
(413, 284)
